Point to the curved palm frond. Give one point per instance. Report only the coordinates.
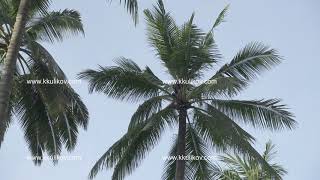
(170, 164)
(196, 147)
(55, 25)
(125, 81)
(132, 8)
(38, 6)
(62, 105)
(126, 154)
(224, 134)
(250, 62)
(267, 114)
(244, 167)
(38, 54)
(41, 131)
(162, 31)
(218, 87)
(147, 109)
(221, 17)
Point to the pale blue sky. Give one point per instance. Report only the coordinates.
(291, 26)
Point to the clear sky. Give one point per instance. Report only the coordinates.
(290, 26)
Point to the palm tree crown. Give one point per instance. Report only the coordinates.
(206, 116)
(245, 167)
(49, 114)
(15, 16)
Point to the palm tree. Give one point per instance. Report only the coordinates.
(244, 167)
(24, 8)
(50, 114)
(206, 116)
(10, 63)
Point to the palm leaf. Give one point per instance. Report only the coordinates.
(170, 164)
(161, 31)
(146, 110)
(196, 147)
(221, 17)
(55, 25)
(225, 134)
(121, 82)
(259, 113)
(250, 62)
(127, 153)
(132, 8)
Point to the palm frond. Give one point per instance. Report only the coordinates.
(5, 17)
(41, 131)
(55, 25)
(143, 142)
(161, 30)
(146, 110)
(62, 103)
(269, 154)
(267, 114)
(113, 154)
(245, 167)
(41, 6)
(35, 7)
(132, 8)
(192, 56)
(218, 87)
(38, 54)
(250, 62)
(126, 155)
(121, 82)
(224, 134)
(221, 18)
(170, 164)
(196, 147)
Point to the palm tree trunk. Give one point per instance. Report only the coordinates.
(181, 147)
(10, 64)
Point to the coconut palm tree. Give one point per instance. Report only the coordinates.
(204, 113)
(50, 114)
(22, 12)
(244, 167)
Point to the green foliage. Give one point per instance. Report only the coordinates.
(55, 25)
(132, 8)
(126, 154)
(50, 115)
(125, 81)
(244, 167)
(186, 52)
